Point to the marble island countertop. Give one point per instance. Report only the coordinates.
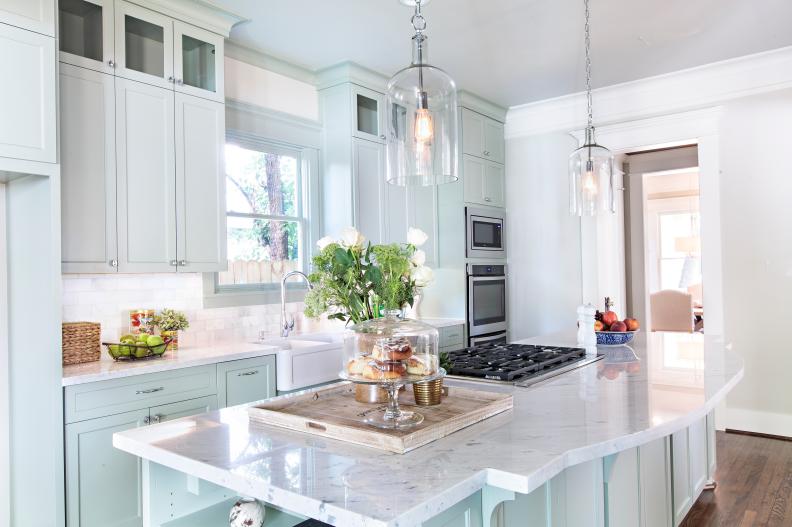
(614, 404)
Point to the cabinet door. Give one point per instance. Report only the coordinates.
(494, 142)
(198, 61)
(143, 45)
(472, 133)
(494, 185)
(28, 92)
(655, 483)
(680, 475)
(466, 513)
(473, 175)
(247, 380)
(200, 184)
(88, 171)
(103, 484)
(422, 214)
(33, 15)
(169, 412)
(697, 447)
(86, 34)
(146, 176)
(396, 222)
(368, 163)
(368, 110)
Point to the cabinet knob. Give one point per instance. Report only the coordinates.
(113, 263)
(147, 420)
(111, 63)
(183, 262)
(174, 263)
(179, 82)
(157, 418)
(171, 79)
(486, 152)
(487, 199)
(382, 137)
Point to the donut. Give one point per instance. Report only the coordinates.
(384, 371)
(392, 349)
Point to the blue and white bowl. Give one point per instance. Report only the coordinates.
(614, 338)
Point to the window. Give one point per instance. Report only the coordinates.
(679, 265)
(269, 191)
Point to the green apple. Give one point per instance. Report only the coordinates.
(154, 340)
(143, 337)
(115, 350)
(159, 350)
(141, 350)
(127, 336)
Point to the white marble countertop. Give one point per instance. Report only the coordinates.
(599, 409)
(184, 357)
(188, 356)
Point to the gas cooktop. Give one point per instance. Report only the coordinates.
(520, 364)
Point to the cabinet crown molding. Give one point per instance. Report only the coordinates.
(471, 101)
(206, 14)
(350, 72)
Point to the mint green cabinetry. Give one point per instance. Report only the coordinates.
(168, 412)
(103, 484)
(466, 513)
(245, 381)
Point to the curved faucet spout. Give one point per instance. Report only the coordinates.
(287, 323)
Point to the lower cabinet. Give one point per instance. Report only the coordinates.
(104, 484)
(466, 513)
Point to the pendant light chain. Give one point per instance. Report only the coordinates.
(418, 20)
(589, 102)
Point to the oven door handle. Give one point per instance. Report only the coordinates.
(497, 278)
(480, 340)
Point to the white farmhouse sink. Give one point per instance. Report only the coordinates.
(306, 360)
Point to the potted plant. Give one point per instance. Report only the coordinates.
(170, 322)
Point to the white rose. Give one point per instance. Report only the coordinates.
(423, 276)
(416, 237)
(324, 242)
(418, 258)
(350, 237)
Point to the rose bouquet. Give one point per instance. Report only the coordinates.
(356, 281)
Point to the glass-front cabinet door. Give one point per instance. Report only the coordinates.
(368, 107)
(86, 34)
(198, 61)
(144, 45)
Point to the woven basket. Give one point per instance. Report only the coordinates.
(81, 342)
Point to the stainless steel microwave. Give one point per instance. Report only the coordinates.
(485, 233)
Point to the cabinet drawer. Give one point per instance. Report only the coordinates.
(247, 380)
(169, 412)
(452, 336)
(97, 399)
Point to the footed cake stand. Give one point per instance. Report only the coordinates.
(393, 417)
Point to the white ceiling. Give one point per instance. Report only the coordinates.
(517, 51)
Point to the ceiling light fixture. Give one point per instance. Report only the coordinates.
(590, 166)
(422, 117)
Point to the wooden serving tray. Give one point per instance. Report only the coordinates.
(333, 412)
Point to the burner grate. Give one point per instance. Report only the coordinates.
(511, 362)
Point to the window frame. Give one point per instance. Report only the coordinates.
(308, 217)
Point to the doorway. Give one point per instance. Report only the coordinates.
(663, 238)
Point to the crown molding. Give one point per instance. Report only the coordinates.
(203, 13)
(681, 91)
(350, 72)
(262, 60)
(473, 102)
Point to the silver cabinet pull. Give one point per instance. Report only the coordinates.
(150, 390)
(157, 418)
(113, 263)
(146, 420)
(486, 152)
(174, 263)
(111, 63)
(183, 262)
(487, 199)
(382, 137)
(179, 82)
(171, 80)
(246, 373)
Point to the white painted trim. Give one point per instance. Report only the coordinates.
(755, 420)
(695, 88)
(268, 62)
(202, 13)
(5, 415)
(351, 72)
(473, 102)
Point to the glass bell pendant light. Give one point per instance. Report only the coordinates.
(591, 165)
(422, 117)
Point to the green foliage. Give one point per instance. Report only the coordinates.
(445, 361)
(354, 284)
(171, 320)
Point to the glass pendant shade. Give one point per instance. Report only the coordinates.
(422, 123)
(591, 180)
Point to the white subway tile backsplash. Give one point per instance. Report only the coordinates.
(107, 299)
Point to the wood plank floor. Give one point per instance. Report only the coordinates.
(754, 489)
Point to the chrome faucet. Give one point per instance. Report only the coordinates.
(288, 325)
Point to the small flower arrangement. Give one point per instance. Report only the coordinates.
(171, 320)
(354, 281)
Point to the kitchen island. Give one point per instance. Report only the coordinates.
(623, 441)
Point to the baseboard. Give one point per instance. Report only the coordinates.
(766, 423)
(758, 434)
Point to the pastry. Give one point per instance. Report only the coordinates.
(384, 371)
(422, 365)
(356, 366)
(392, 349)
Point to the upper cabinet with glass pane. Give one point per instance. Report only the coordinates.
(144, 45)
(369, 118)
(86, 33)
(198, 57)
